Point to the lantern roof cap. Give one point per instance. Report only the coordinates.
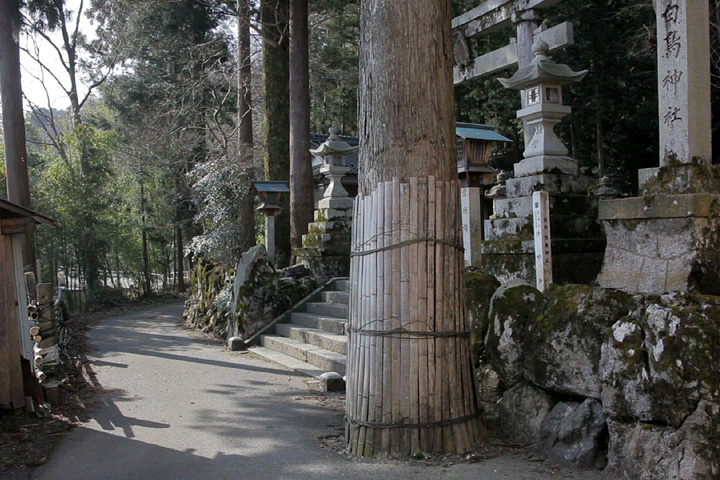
(334, 145)
(542, 69)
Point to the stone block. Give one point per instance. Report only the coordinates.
(656, 363)
(512, 308)
(575, 433)
(660, 206)
(645, 451)
(332, 382)
(236, 344)
(523, 409)
(562, 347)
(679, 179)
(545, 164)
(552, 183)
(657, 255)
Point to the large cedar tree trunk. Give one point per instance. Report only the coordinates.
(276, 59)
(410, 379)
(245, 130)
(301, 179)
(18, 186)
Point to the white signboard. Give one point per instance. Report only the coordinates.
(543, 249)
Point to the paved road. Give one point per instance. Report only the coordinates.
(180, 407)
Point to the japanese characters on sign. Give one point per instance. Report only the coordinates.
(543, 245)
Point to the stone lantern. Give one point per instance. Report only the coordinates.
(269, 193)
(326, 247)
(540, 84)
(331, 154)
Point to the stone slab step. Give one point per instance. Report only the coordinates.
(336, 310)
(342, 285)
(336, 297)
(323, 359)
(328, 341)
(319, 322)
(288, 361)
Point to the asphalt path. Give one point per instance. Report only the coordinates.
(179, 406)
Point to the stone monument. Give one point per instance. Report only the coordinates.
(326, 246)
(667, 238)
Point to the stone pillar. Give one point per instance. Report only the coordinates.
(526, 23)
(472, 220)
(684, 81)
(326, 246)
(668, 239)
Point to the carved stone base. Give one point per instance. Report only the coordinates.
(662, 243)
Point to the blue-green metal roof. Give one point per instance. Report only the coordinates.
(478, 131)
(269, 186)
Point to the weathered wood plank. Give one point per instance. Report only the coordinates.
(11, 380)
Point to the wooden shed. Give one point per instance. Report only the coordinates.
(15, 342)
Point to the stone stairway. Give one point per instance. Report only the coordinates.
(315, 339)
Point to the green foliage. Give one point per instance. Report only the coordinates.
(334, 38)
(220, 186)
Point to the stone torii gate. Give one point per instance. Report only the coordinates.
(493, 15)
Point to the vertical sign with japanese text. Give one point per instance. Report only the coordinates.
(684, 81)
(543, 249)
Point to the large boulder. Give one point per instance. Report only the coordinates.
(522, 410)
(659, 362)
(513, 307)
(576, 433)
(643, 451)
(562, 346)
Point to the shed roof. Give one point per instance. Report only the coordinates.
(478, 131)
(9, 209)
(269, 186)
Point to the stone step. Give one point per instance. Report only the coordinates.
(336, 310)
(288, 361)
(325, 360)
(559, 205)
(313, 336)
(342, 285)
(319, 322)
(335, 297)
(561, 226)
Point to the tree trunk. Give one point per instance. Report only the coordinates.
(274, 20)
(18, 185)
(406, 92)
(180, 256)
(301, 178)
(146, 258)
(410, 379)
(245, 122)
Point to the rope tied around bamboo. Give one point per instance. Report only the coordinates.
(410, 380)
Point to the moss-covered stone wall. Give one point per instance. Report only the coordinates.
(598, 377)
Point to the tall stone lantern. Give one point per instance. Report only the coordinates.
(511, 247)
(326, 246)
(541, 85)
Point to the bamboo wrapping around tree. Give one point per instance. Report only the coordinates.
(410, 381)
